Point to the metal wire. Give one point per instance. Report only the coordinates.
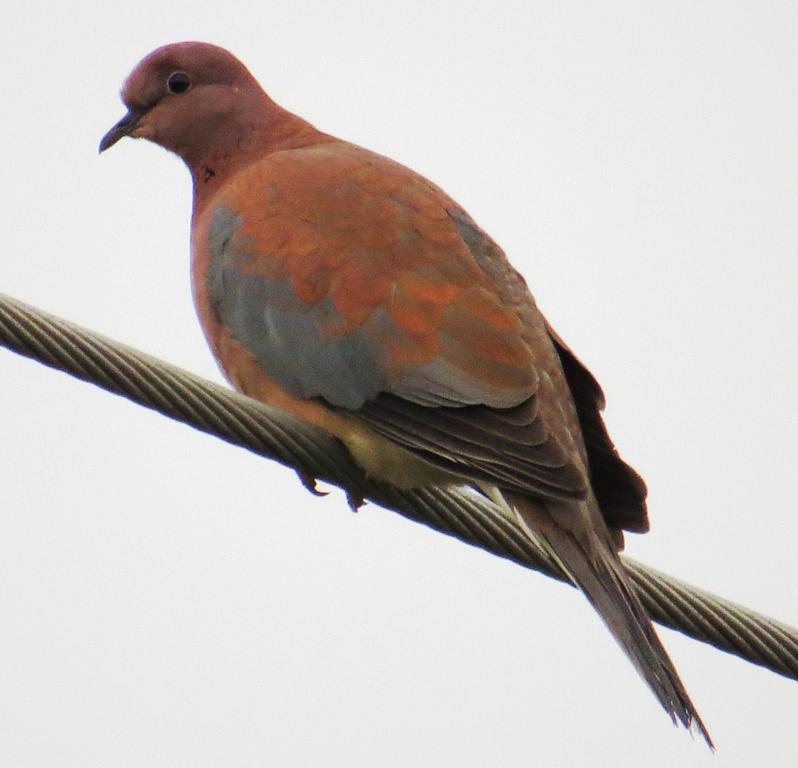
(315, 455)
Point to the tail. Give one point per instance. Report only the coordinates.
(579, 540)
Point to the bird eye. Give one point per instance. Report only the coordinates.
(178, 82)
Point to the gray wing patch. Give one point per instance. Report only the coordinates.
(285, 334)
(482, 248)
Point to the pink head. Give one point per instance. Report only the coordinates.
(202, 103)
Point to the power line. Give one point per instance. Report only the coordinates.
(313, 454)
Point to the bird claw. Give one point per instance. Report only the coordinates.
(355, 500)
(310, 483)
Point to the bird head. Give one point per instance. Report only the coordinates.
(191, 98)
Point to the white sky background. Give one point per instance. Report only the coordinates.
(167, 599)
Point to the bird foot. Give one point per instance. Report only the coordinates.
(310, 483)
(355, 500)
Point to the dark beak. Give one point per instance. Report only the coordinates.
(123, 128)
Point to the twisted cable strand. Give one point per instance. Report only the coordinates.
(313, 454)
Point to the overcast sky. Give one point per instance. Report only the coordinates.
(167, 599)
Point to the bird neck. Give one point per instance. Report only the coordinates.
(258, 135)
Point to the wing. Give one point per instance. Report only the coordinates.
(354, 281)
(620, 491)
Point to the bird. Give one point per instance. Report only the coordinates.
(350, 292)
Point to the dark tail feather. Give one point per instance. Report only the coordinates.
(590, 559)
